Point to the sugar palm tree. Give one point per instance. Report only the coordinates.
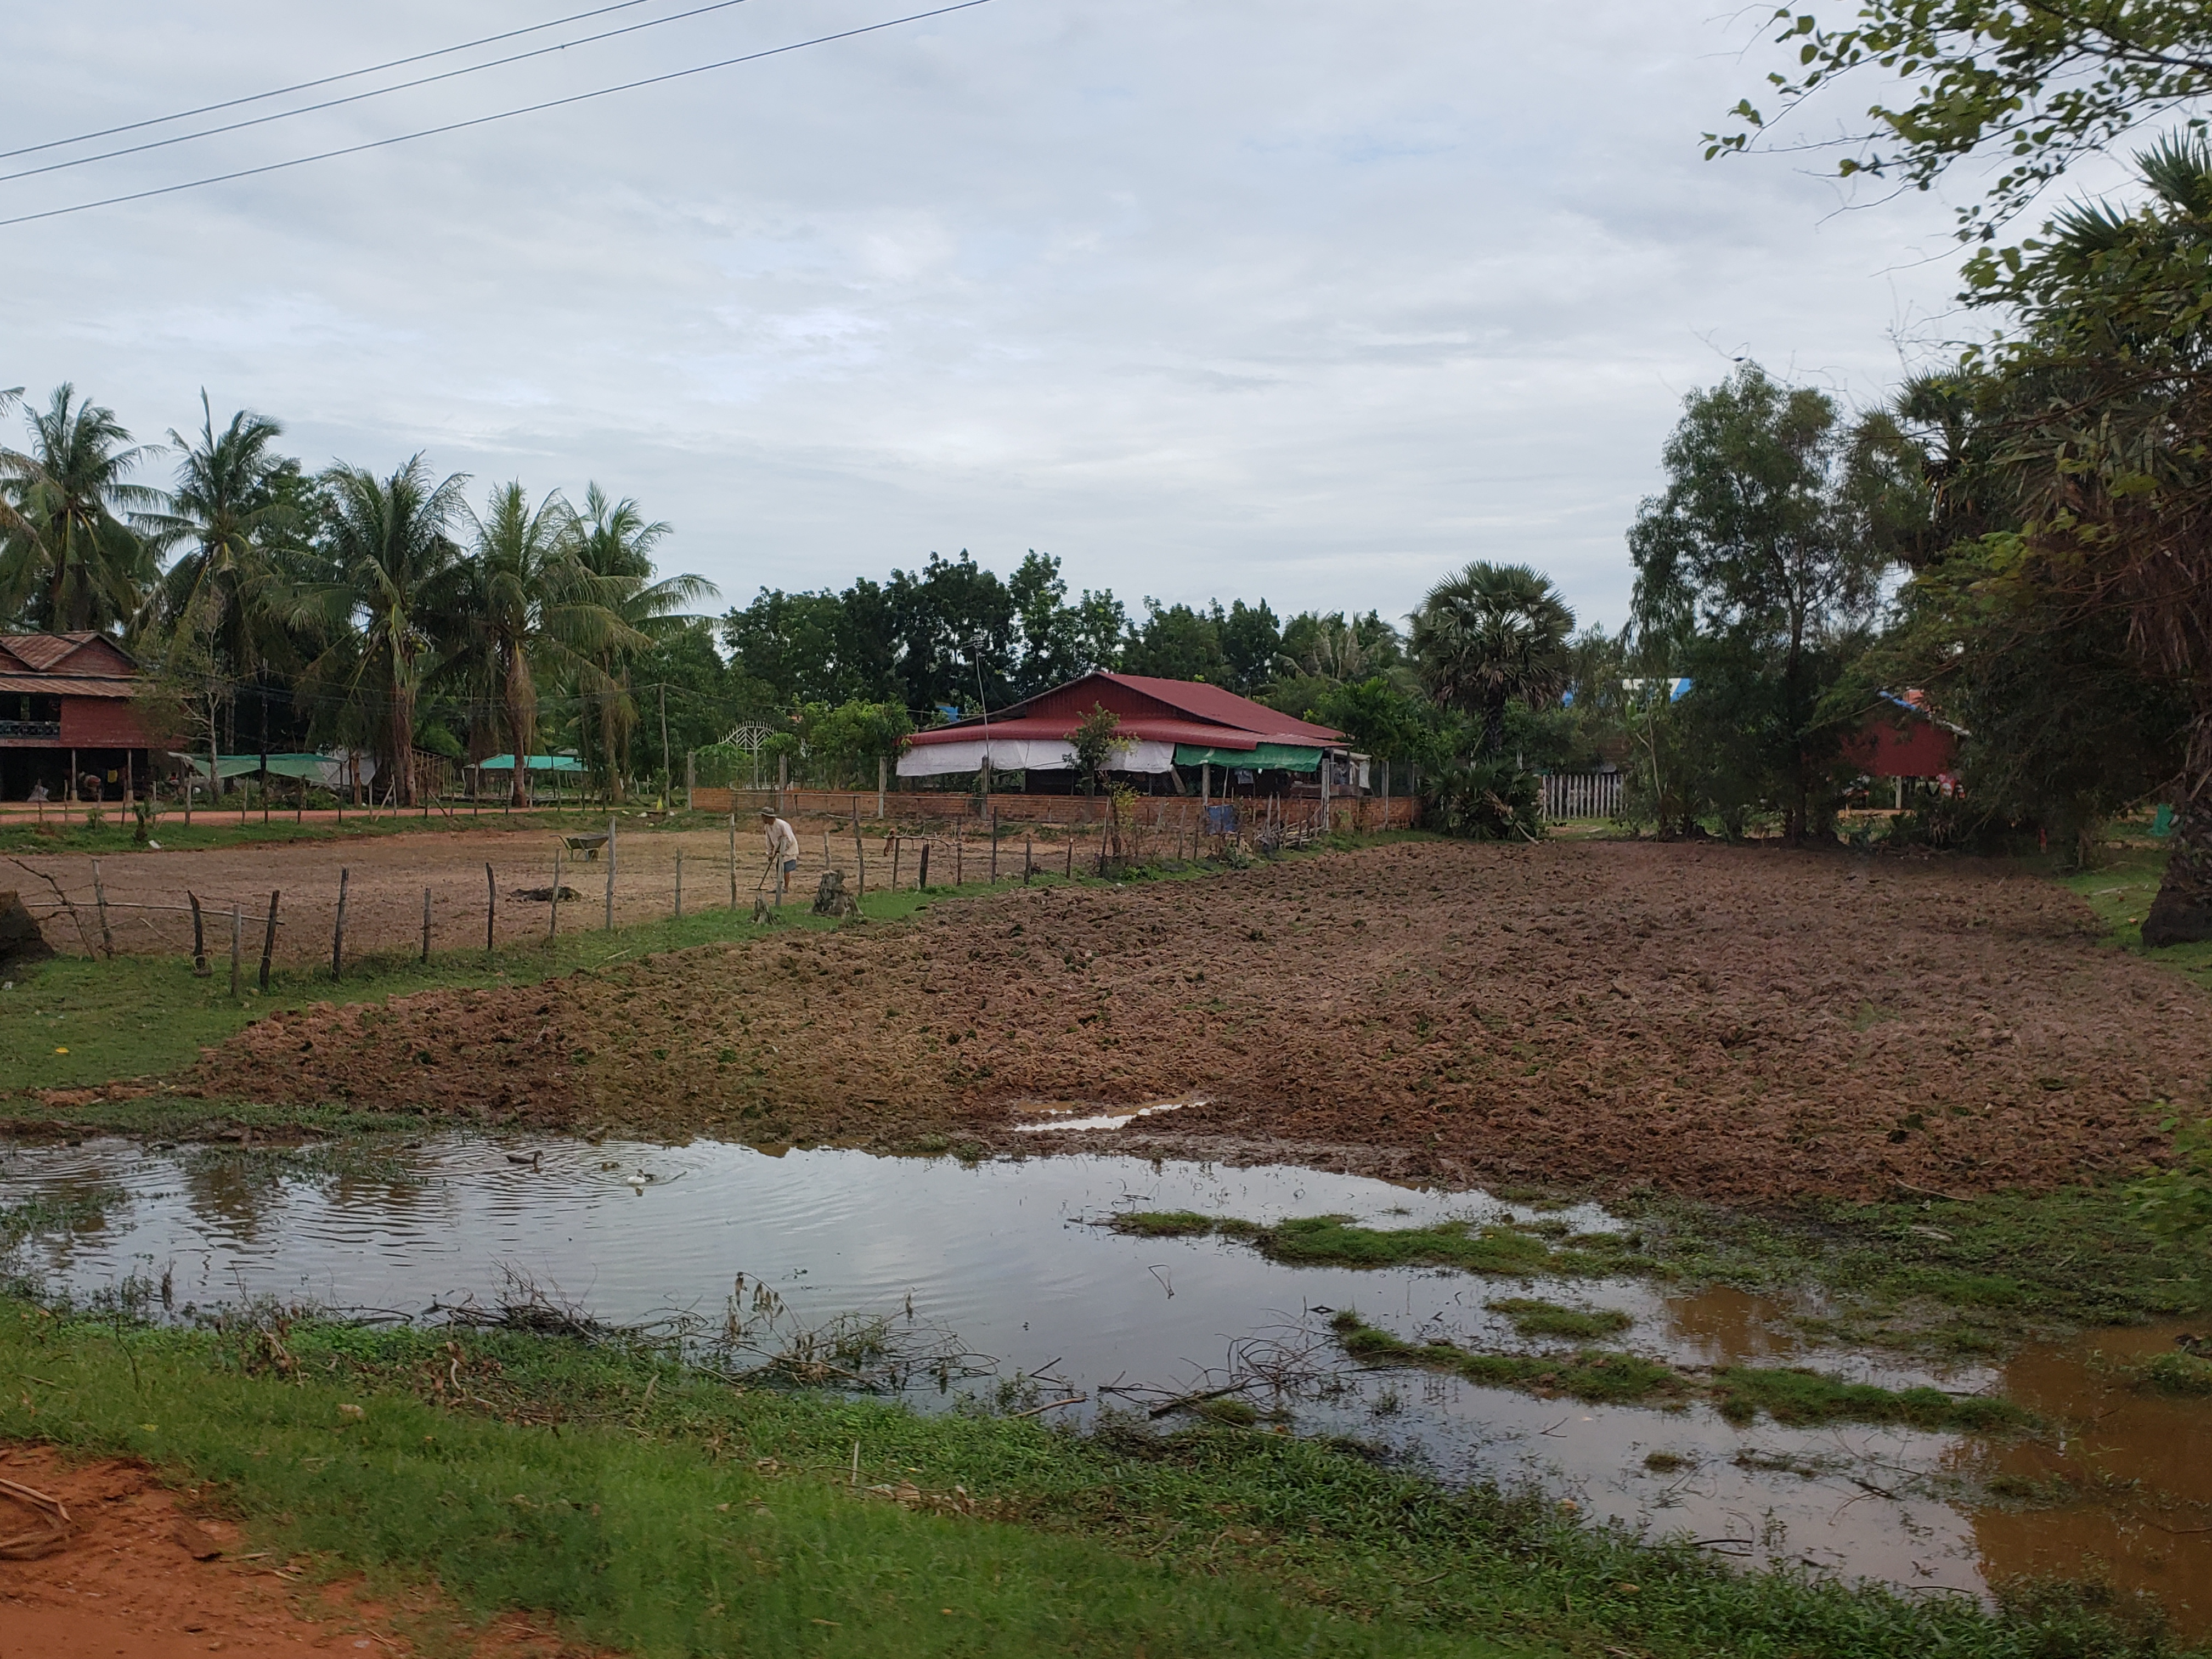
(69, 561)
(229, 514)
(616, 542)
(532, 609)
(1488, 634)
(394, 574)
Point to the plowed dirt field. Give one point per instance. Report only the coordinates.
(1740, 1024)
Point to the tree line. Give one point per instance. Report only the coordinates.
(274, 608)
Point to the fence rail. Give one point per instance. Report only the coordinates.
(1582, 795)
(1363, 813)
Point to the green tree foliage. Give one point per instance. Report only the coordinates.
(1491, 635)
(2102, 410)
(2041, 82)
(1485, 797)
(1177, 642)
(1096, 741)
(1757, 563)
(69, 559)
(530, 611)
(840, 746)
(394, 571)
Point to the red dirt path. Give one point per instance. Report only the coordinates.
(1741, 1024)
(126, 1585)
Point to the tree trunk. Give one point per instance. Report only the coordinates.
(402, 746)
(2182, 912)
(521, 726)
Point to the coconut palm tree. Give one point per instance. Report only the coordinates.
(532, 609)
(229, 513)
(395, 575)
(68, 560)
(616, 542)
(1488, 634)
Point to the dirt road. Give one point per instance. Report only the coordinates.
(387, 875)
(1737, 1024)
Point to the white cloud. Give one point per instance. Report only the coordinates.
(1302, 301)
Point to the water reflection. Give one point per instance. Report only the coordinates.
(1006, 1255)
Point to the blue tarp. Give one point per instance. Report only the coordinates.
(535, 763)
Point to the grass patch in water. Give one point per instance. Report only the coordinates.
(1338, 1241)
(2175, 1373)
(1740, 1393)
(1534, 1317)
(1603, 1378)
(1207, 1539)
(1797, 1396)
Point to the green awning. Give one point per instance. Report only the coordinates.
(535, 763)
(232, 766)
(1268, 757)
(314, 768)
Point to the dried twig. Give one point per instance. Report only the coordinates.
(29, 1546)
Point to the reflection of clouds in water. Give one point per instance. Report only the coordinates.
(1002, 1254)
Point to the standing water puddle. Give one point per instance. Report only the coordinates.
(1007, 1257)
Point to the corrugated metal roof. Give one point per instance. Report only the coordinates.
(68, 685)
(1195, 713)
(44, 654)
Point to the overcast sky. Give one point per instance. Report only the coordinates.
(1302, 301)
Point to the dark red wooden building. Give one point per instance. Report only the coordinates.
(67, 720)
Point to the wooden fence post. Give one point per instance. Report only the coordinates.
(994, 844)
(610, 875)
(881, 766)
(733, 854)
(922, 881)
(99, 898)
(859, 859)
(337, 931)
(200, 939)
(426, 927)
(895, 863)
(553, 919)
(237, 940)
(491, 906)
(1071, 857)
(959, 856)
(679, 887)
(269, 940)
(1029, 858)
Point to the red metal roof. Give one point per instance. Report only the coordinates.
(1152, 710)
(69, 655)
(66, 685)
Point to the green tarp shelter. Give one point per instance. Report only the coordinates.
(285, 766)
(1268, 757)
(533, 763)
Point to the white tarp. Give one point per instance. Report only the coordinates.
(939, 760)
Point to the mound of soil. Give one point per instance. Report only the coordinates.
(143, 1575)
(1735, 1024)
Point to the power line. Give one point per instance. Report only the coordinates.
(485, 120)
(358, 97)
(325, 81)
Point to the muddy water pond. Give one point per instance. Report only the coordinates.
(1000, 1285)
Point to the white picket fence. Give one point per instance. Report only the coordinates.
(1582, 795)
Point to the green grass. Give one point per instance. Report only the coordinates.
(589, 1483)
(1338, 1241)
(1740, 1393)
(1534, 1317)
(2120, 893)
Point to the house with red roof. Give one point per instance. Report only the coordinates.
(67, 718)
(1178, 729)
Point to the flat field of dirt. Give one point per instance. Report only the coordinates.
(1740, 1024)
